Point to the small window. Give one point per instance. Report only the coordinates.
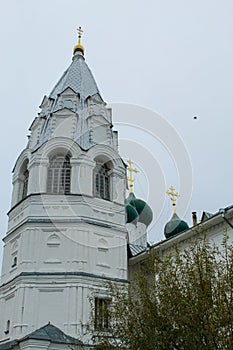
(68, 104)
(7, 327)
(102, 182)
(102, 313)
(15, 261)
(59, 175)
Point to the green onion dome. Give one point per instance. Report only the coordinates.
(145, 214)
(131, 214)
(175, 226)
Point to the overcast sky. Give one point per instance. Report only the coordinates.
(171, 57)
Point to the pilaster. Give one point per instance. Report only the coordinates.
(118, 186)
(82, 175)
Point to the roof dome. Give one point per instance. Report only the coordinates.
(131, 214)
(175, 226)
(145, 214)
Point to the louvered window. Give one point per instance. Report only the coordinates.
(102, 182)
(59, 173)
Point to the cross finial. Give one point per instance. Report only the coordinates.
(80, 33)
(131, 170)
(173, 196)
(79, 47)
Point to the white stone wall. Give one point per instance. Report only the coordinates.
(67, 246)
(213, 229)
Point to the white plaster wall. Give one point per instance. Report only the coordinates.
(65, 301)
(137, 233)
(68, 246)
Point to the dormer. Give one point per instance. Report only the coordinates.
(95, 99)
(64, 123)
(67, 99)
(46, 106)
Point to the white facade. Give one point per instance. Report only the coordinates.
(67, 232)
(214, 229)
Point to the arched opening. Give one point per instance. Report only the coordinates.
(59, 174)
(25, 184)
(102, 181)
(23, 178)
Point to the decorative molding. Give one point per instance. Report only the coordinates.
(52, 261)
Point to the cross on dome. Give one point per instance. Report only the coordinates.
(173, 196)
(80, 33)
(79, 47)
(131, 170)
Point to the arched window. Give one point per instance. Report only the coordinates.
(23, 177)
(59, 173)
(25, 184)
(102, 181)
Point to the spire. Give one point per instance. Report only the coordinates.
(79, 47)
(130, 177)
(173, 196)
(78, 76)
(76, 91)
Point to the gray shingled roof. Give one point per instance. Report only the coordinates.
(78, 77)
(47, 332)
(206, 215)
(136, 249)
(9, 345)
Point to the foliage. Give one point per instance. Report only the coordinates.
(180, 300)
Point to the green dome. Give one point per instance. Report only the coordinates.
(175, 226)
(142, 208)
(131, 214)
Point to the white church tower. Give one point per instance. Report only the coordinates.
(67, 231)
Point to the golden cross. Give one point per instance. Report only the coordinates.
(173, 196)
(80, 32)
(130, 177)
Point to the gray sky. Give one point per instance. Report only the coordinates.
(173, 57)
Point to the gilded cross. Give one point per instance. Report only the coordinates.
(173, 196)
(80, 32)
(131, 170)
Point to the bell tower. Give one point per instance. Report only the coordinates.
(67, 232)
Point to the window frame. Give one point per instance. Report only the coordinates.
(101, 181)
(101, 313)
(59, 174)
